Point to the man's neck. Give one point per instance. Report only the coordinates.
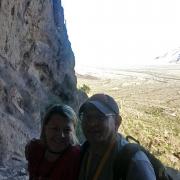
(98, 148)
(101, 147)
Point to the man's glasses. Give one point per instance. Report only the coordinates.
(98, 117)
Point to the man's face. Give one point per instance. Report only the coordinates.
(97, 127)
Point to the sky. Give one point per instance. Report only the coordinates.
(113, 33)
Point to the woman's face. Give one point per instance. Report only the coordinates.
(58, 133)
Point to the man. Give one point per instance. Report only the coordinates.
(101, 119)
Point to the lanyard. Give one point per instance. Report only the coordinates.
(101, 164)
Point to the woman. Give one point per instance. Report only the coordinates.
(56, 155)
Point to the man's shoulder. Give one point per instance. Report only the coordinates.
(121, 141)
(130, 159)
(123, 146)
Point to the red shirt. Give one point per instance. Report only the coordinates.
(65, 167)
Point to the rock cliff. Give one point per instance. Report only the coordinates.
(36, 68)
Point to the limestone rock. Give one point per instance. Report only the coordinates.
(36, 67)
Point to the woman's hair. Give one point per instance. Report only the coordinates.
(64, 111)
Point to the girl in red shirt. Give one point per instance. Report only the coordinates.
(56, 155)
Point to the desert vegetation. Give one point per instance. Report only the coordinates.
(150, 106)
(86, 89)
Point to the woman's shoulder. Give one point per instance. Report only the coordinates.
(34, 146)
(73, 152)
(75, 149)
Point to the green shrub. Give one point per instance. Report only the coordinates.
(85, 88)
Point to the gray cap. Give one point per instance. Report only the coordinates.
(103, 102)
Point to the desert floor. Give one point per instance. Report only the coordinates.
(149, 100)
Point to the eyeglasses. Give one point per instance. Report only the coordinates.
(98, 117)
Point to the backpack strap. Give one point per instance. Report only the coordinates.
(129, 138)
(123, 159)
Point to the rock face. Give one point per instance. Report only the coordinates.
(36, 68)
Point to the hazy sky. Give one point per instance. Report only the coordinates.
(111, 33)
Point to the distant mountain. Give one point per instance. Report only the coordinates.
(172, 57)
(86, 76)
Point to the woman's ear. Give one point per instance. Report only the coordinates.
(118, 122)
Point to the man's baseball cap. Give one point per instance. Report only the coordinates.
(103, 102)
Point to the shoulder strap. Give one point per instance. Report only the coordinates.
(123, 159)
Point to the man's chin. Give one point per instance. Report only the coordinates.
(100, 140)
(97, 140)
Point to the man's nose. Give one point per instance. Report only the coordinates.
(92, 122)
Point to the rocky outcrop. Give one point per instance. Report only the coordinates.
(36, 68)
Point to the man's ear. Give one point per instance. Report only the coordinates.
(118, 122)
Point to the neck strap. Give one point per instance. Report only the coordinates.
(102, 162)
